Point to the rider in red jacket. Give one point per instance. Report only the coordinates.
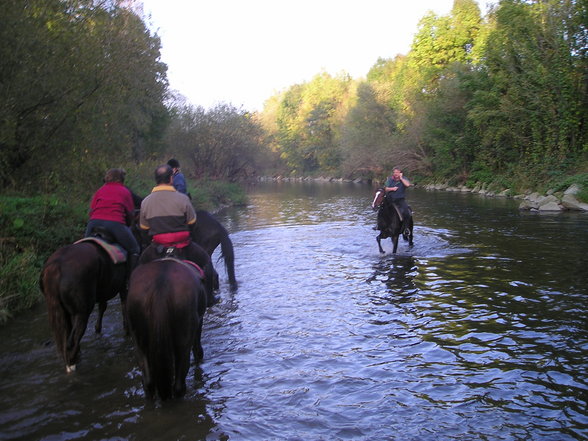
(112, 209)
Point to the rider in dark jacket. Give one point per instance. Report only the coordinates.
(395, 187)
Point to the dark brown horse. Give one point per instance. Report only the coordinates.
(193, 252)
(165, 308)
(73, 280)
(209, 234)
(389, 222)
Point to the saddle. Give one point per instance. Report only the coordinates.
(116, 253)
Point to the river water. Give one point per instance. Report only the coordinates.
(479, 332)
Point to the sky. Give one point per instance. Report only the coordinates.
(243, 52)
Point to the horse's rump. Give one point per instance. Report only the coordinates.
(192, 252)
(165, 306)
(73, 279)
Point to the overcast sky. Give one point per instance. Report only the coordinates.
(243, 52)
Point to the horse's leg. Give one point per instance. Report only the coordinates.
(80, 322)
(148, 384)
(394, 243)
(197, 350)
(379, 239)
(123, 305)
(182, 366)
(101, 309)
(410, 236)
(60, 322)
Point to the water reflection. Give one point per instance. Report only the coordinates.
(398, 274)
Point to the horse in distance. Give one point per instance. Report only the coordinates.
(390, 222)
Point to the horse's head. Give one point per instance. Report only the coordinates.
(379, 198)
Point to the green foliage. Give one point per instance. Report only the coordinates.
(581, 180)
(81, 86)
(210, 195)
(19, 274)
(475, 99)
(308, 122)
(220, 143)
(30, 230)
(43, 222)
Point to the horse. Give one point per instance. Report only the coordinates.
(194, 253)
(389, 222)
(165, 308)
(209, 234)
(73, 279)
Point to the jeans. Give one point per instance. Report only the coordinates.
(402, 207)
(122, 234)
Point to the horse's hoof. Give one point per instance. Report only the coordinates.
(70, 368)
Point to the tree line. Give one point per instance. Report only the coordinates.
(477, 99)
(83, 89)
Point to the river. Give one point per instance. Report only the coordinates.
(478, 332)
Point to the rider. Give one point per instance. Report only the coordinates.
(395, 187)
(179, 181)
(112, 209)
(168, 216)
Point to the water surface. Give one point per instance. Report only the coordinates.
(478, 332)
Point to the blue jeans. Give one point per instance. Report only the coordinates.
(122, 234)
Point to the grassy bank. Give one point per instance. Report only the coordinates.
(33, 227)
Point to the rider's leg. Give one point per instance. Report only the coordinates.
(125, 237)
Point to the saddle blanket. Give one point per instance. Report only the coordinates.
(117, 253)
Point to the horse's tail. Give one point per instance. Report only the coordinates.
(160, 355)
(49, 282)
(228, 254)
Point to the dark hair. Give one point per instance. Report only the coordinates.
(173, 163)
(115, 175)
(163, 174)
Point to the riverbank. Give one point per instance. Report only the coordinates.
(552, 200)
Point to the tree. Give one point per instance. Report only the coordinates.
(82, 87)
(221, 143)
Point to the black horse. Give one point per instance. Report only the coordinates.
(73, 280)
(389, 222)
(165, 307)
(209, 234)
